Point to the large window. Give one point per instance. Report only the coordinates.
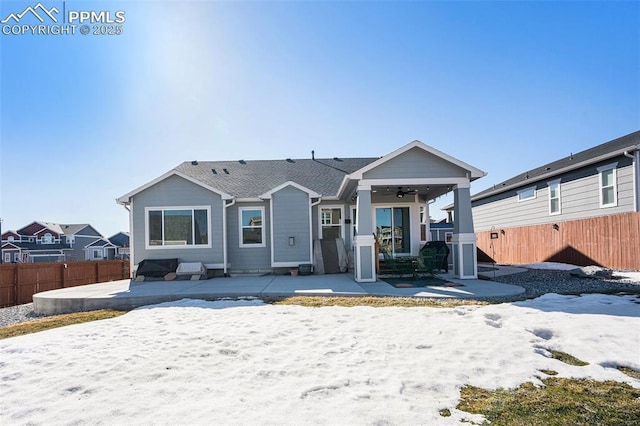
(608, 186)
(178, 227)
(554, 197)
(331, 222)
(251, 226)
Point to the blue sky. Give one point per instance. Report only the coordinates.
(505, 86)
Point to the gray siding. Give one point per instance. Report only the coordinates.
(580, 198)
(291, 219)
(176, 191)
(247, 259)
(415, 163)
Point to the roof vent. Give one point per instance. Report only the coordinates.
(242, 162)
(548, 168)
(336, 159)
(571, 156)
(226, 172)
(194, 163)
(289, 160)
(214, 171)
(313, 154)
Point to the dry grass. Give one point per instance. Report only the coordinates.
(567, 358)
(379, 302)
(560, 402)
(57, 321)
(630, 372)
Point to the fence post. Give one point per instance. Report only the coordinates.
(63, 273)
(16, 276)
(97, 271)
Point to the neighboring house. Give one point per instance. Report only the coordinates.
(48, 242)
(580, 209)
(121, 241)
(100, 249)
(259, 216)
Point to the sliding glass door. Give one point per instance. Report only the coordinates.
(393, 230)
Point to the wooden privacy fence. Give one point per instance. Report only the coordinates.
(20, 281)
(608, 241)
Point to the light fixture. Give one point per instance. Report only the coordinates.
(292, 241)
(400, 194)
(556, 226)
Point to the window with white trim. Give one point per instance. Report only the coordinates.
(251, 226)
(331, 222)
(7, 258)
(424, 218)
(608, 185)
(47, 238)
(527, 194)
(97, 254)
(178, 227)
(11, 238)
(554, 197)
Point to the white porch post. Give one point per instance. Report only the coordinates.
(465, 262)
(364, 241)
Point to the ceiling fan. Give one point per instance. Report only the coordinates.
(400, 193)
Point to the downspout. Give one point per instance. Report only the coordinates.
(127, 208)
(224, 234)
(311, 206)
(636, 177)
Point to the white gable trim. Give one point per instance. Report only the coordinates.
(127, 197)
(106, 244)
(474, 172)
(267, 195)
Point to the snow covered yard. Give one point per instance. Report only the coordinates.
(245, 362)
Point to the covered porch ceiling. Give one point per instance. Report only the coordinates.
(424, 192)
(390, 193)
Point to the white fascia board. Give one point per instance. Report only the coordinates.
(460, 181)
(559, 171)
(125, 199)
(473, 171)
(250, 200)
(312, 194)
(343, 186)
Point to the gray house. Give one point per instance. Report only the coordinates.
(258, 216)
(121, 241)
(582, 208)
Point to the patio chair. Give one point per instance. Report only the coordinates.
(427, 261)
(394, 267)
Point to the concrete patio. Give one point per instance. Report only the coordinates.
(129, 293)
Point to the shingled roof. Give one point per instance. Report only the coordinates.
(250, 179)
(630, 142)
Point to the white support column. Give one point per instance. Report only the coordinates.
(364, 241)
(464, 254)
